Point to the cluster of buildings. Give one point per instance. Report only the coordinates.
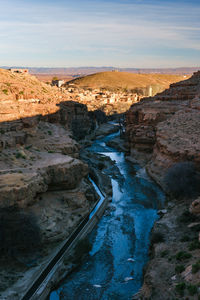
(103, 96)
(102, 99)
(108, 101)
(16, 70)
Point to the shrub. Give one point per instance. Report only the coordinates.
(5, 91)
(157, 237)
(28, 147)
(182, 180)
(19, 233)
(185, 238)
(164, 253)
(192, 289)
(179, 269)
(182, 255)
(180, 287)
(195, 268)
(20, 155)
(194, 245)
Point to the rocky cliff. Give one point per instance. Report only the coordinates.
(41, 174)
(166, 126)
(161, 131)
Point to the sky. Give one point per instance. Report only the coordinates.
(119, 33)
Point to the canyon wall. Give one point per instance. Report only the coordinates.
(41, 173)
(166, 127)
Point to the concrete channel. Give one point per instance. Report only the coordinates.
(44, 282)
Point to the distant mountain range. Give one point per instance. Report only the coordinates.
(80, 71)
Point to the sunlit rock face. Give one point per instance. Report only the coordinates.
(167, 126)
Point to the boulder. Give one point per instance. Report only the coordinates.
(195, 207)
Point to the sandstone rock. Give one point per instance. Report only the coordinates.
(195, 207)
(177, 139)
(167, 126)
(20, 189)
(54, 172)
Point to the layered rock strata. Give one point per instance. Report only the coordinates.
(42, 174)
(167, 126)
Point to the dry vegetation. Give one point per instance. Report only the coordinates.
(124, 80)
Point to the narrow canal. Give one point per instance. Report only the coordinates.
(113, 269)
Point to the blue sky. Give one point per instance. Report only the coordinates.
(121, 33)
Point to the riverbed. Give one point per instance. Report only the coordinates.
(113, 268)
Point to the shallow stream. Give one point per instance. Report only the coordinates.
(113, 268)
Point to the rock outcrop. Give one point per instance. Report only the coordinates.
(167, 126)
(41, 173)
(174, 257)
(195, 207)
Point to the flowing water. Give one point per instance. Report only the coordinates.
(113, 269)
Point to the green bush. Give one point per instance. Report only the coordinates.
(196, 267)
(5, 91)
(179, 269)
(194, 245)
(192, 289)
(182, 181)
(182, 255)
(180, 287)
(164, 253)
(20, 155)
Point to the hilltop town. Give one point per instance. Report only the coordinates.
(18, 85)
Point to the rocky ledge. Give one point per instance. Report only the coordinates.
(44, 187)
(173, 271)
(165, 128)
(162, 131)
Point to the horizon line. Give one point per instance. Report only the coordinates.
(99, 67)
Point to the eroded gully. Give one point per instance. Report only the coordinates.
(113, 268)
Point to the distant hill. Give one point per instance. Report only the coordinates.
(91, 70)
(129, 81)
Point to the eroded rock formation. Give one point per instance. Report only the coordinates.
(167, 126)
(41, 172)
(165, 130)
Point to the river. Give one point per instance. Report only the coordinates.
(113, 268)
